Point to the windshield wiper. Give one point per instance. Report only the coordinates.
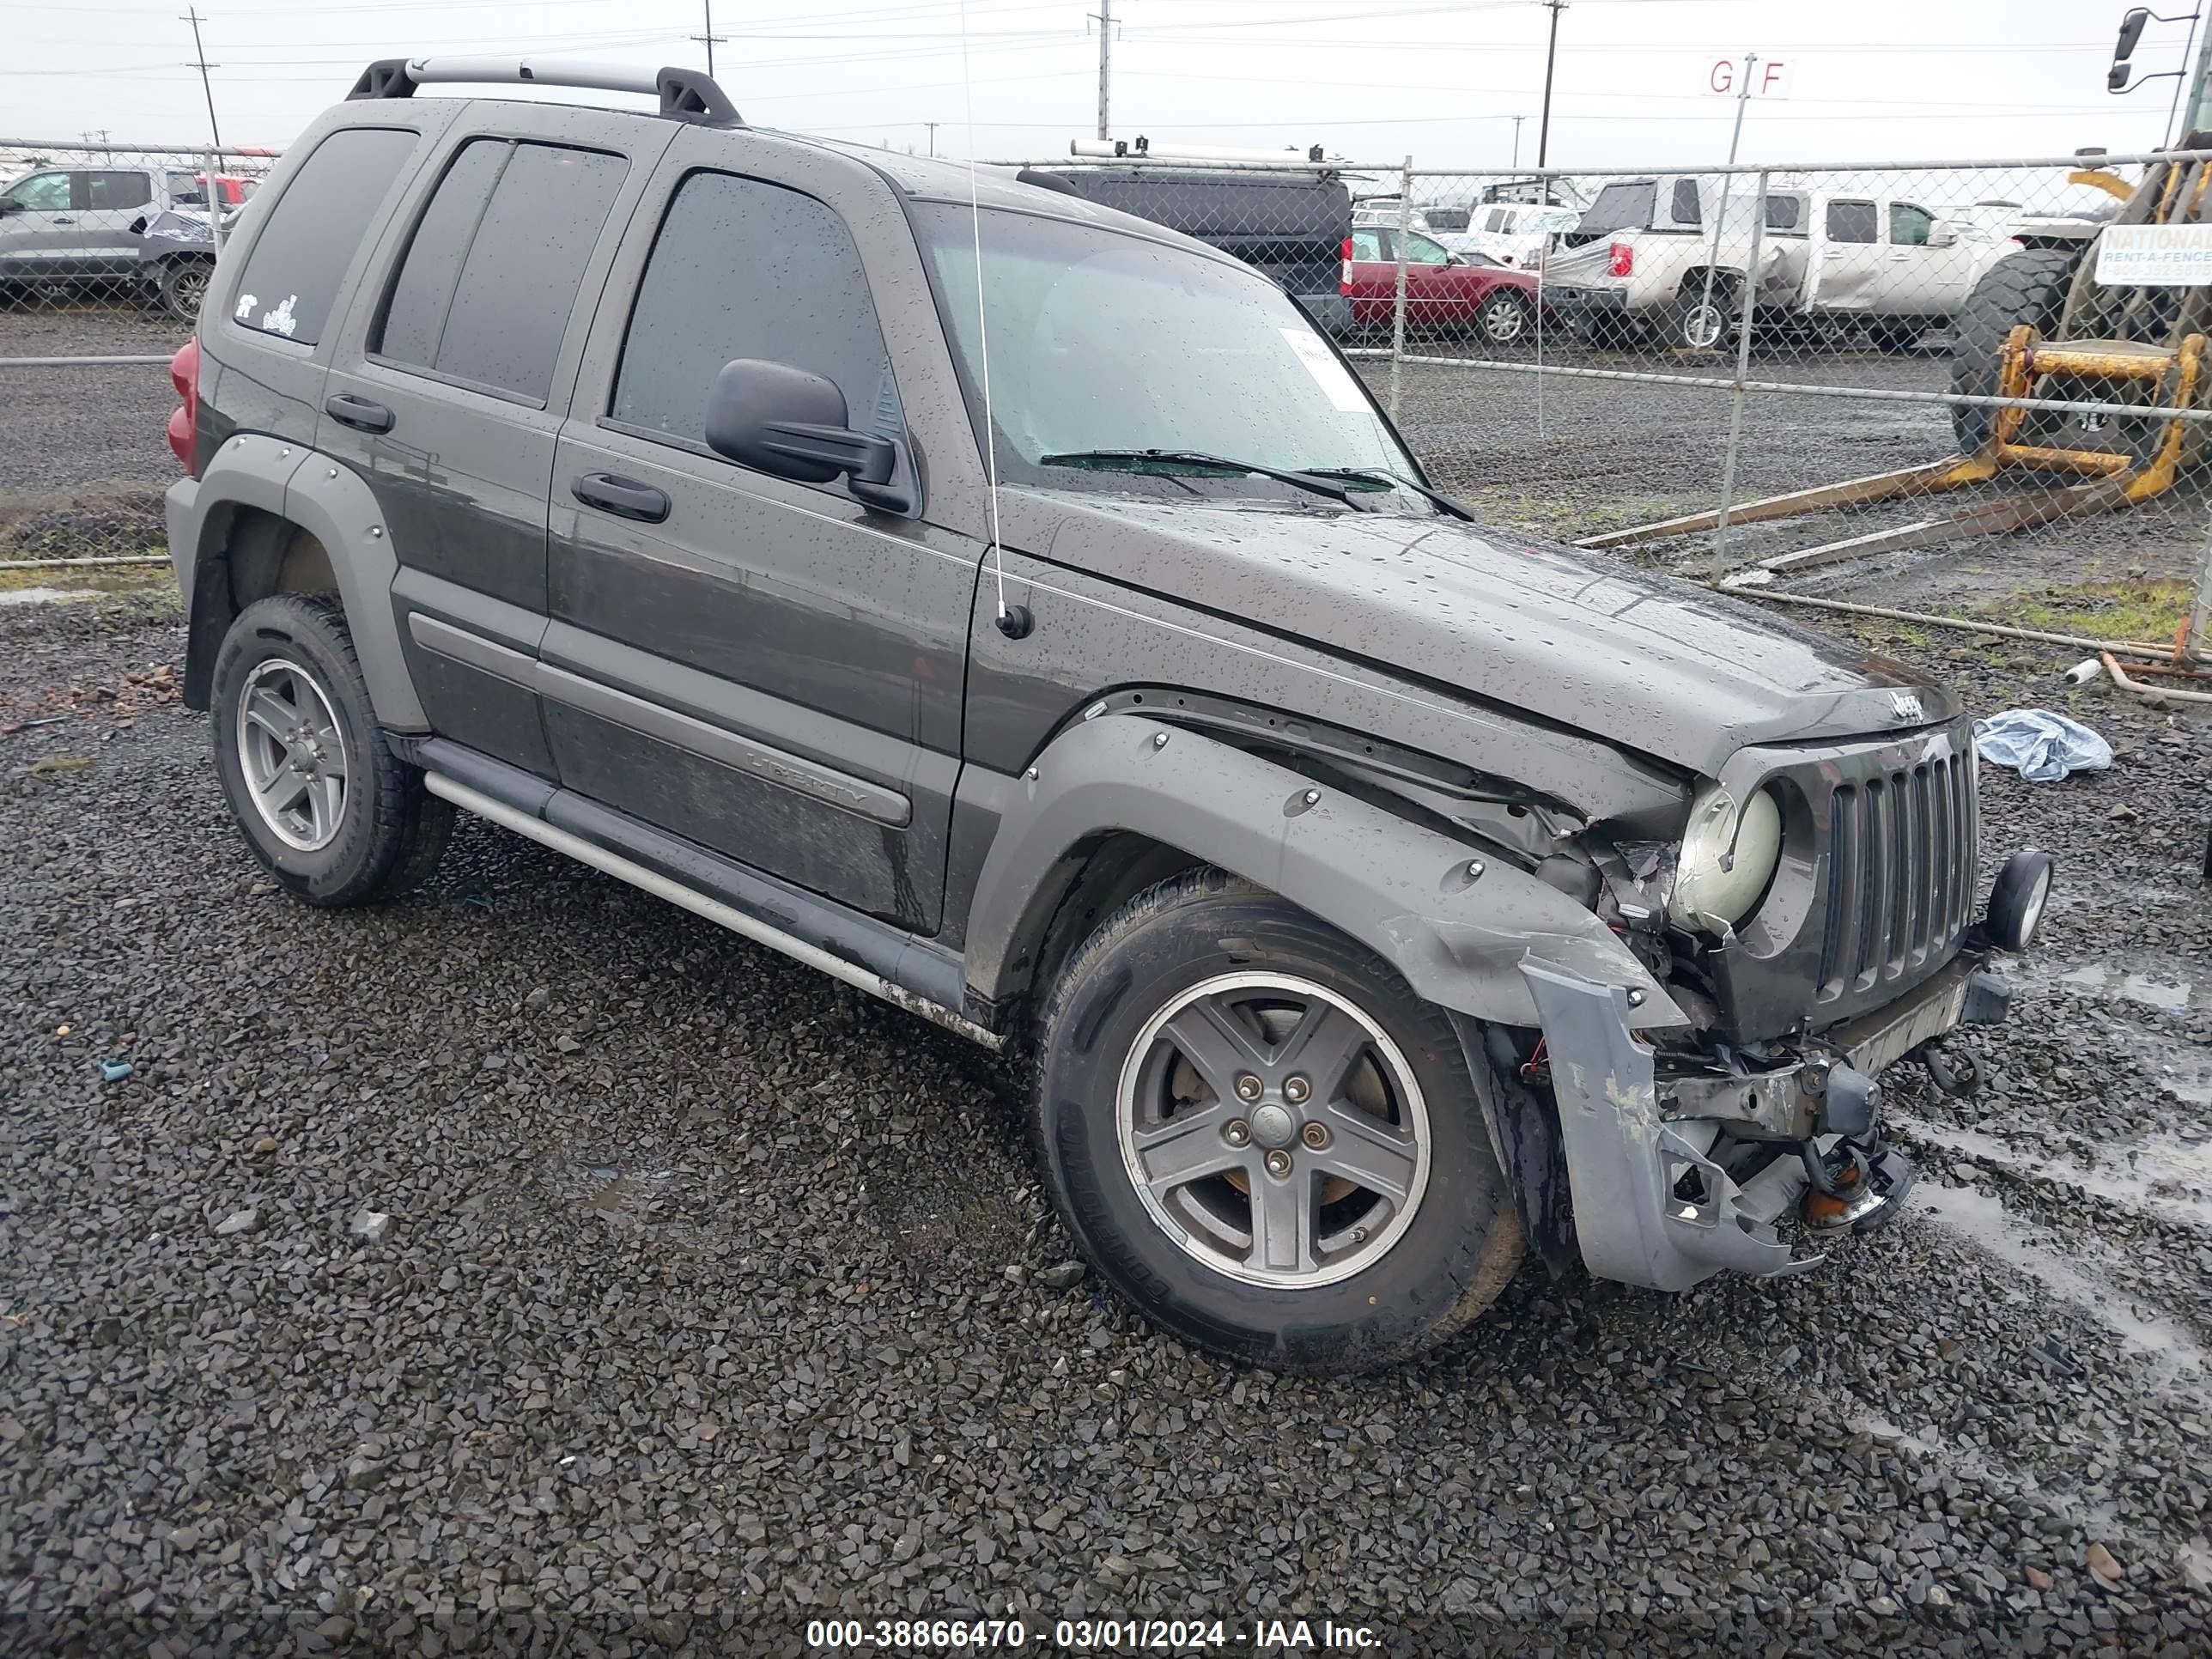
(1436, 496)
(1134, 461)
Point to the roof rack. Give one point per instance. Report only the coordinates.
(685, 94)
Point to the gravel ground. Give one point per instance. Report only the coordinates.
(715, 1298)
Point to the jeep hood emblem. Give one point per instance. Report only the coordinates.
(1905, 708)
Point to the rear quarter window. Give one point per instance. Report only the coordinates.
(1620, 206)
(292, 275)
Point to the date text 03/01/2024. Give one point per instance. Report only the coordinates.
(1265, 1636)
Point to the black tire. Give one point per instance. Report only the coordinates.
(1700, 323)
(183, 286)
(2026, 287)
(1458, 1245)
(388, 830)
(1896, 333)
(1503, 319)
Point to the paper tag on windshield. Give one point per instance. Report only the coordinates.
(1330, 375)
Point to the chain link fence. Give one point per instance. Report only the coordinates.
(105, 250)
(1931, 383)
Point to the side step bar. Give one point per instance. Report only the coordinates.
(856, 974)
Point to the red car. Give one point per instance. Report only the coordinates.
(1445, 291)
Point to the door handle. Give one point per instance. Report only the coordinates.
(357, 412)
(625, 498)
(62, 221)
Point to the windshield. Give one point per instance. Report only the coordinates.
(1101, 341)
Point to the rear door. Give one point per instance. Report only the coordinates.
(451, 379)
(1850, 256)
(114, 205)
(768, 669)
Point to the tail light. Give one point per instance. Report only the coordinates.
(1624, 259)
(1344, 272)
(184, 419)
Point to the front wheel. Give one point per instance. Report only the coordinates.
(335, 816)
(1263, 1138)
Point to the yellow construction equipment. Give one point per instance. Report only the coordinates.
(2039, 325)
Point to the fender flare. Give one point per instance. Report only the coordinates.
(1456, 927)
(333, 503)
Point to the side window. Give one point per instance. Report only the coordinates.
(1782, 213)
(1499, 220)
(117, 190)
(743, 269)
(185, 190)
(1908, 225)
(292, 274)
(1684, 205)
(1366, 245)
(491, 273)
(1851, 221)
(43, 193)
(1426, 250)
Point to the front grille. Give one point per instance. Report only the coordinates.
(1901, 850)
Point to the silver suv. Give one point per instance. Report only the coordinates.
(1373, 892)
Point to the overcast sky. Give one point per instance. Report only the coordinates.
(1373, 80)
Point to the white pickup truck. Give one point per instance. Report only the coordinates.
(1666, 259)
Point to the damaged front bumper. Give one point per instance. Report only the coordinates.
(1654, 1203)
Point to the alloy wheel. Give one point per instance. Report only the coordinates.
(1274, 1130)
(292, 754)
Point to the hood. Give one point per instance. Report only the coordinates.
(1577, 639)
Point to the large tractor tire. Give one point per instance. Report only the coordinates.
(2027, 287)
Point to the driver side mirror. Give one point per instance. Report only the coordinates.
(8, 204)
(1940, 234)
(781, 420)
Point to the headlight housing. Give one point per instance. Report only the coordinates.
(1730, 852)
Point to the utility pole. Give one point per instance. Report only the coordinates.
(1551, 55)
(932, 125)
(200, 63)
(709, 38)
(1517, 120)
(1104, 15)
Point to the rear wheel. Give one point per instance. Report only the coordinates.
(184, 286)
(1263, 1138)
(2026, 287)
(335, 816)
(1703, 319)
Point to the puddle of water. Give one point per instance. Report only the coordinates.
(646, 1197)
(2097, 979)
(1984, 1220)
(45, 595)
(2166, 1176)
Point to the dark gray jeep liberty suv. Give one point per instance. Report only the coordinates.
(1372, 893)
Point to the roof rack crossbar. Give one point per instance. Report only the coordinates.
(685, 94)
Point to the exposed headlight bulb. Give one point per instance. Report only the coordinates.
(1728, 856)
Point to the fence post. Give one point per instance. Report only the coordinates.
(213, 193)
(2199, 612)
(1745, 323)
(1398, 305)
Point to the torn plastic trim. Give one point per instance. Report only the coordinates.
(1624, 1162)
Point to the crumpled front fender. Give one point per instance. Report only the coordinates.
(1457, 927)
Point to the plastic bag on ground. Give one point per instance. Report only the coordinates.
(2041, 746)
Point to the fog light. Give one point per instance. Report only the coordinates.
(2017, 898)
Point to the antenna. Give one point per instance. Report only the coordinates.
(1013, 622)
(200, 63)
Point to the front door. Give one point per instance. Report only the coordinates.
(37, 232)
(1921, 280)
(113, 205)
(771, 669)
(447, 392)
